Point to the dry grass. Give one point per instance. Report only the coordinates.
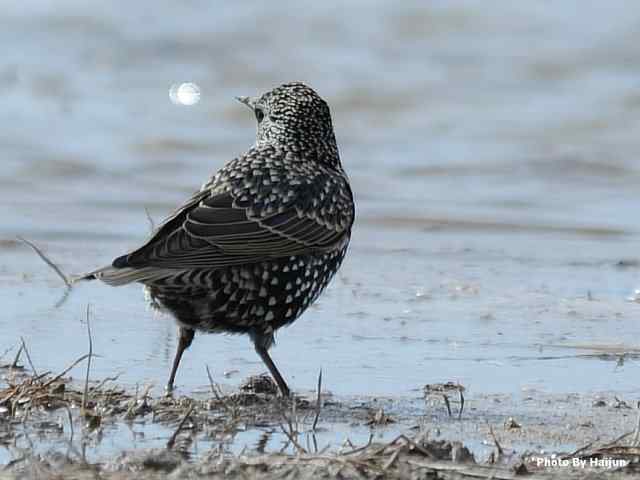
(401, 458)
(29, 401)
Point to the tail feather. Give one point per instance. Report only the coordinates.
(110, 275)
(122, 276)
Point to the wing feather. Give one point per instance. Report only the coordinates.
(237, 219)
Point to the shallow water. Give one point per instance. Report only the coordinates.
(492, 149)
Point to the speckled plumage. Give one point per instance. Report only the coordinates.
(260, 241)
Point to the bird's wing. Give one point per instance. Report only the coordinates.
(249, 218)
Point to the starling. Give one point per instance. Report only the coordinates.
(259, 242)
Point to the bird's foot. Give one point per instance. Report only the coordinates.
(168, 390)
(285, 392)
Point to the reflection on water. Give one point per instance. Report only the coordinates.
(492, 148)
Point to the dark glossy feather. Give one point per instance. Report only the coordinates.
(237, 220)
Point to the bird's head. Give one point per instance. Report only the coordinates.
(294, 115)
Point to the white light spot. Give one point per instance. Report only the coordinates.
(186, 94)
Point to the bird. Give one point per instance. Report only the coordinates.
(257, 244)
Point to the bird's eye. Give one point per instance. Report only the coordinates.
(259, 114)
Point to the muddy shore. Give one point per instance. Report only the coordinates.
(52, 428)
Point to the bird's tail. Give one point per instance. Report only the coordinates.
(114, 276)
(73, 279)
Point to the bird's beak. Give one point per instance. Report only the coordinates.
(248, 101)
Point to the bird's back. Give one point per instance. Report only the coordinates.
(269, 229)
(257, 244)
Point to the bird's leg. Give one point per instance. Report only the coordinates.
(186, 337)
(262, 342)
(282, 385)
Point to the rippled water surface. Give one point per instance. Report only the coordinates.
(493, 150)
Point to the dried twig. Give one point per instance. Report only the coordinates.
(263, 441)
(17, 358)
(291, 436)
(55, 267)
(576, 452)
(446, 402)
(27, 413)
(443, 389)
(63, 298)
(410, 442)
(66, 370)
(37, 378)
(391, 461)
(636, 433)
(104, 381)
(15, 462)
(413, 444)
(213, 386)
(318, 402)
(134, 409)
(216, 394)
(360, 449)
(172, 440)
(6, 351)
(292, 431)
(70, 424)
(152, 223)
(26, 351)
(615, 442)
(495, 441)
(85, 395)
